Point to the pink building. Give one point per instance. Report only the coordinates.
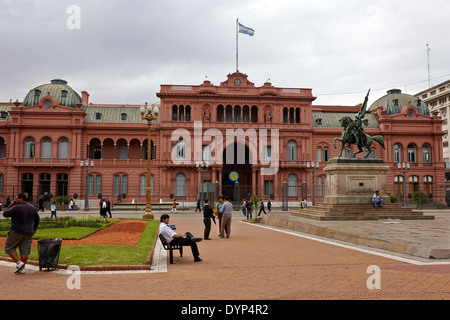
(274, 131)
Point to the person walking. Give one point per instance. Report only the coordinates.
(208, 213)
(53, 210)
(261, 208)
(269, 205)
(24, 222)
(174, 206)
(227, 211)
(198, 206)
(108, 207)
(72, 205)
(41, 203)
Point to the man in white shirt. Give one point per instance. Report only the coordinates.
(377, 199)
(184, 239)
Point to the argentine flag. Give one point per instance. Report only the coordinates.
(245, 30)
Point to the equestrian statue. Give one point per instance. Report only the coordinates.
(354, 133)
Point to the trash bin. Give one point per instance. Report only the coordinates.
(48, 252)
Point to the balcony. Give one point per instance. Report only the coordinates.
(70, 163)
(44, 162)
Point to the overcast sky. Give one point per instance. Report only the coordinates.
(124, 50)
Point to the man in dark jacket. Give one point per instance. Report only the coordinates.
(24, 222)
(208, 213)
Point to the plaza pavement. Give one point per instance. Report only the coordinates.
(258, 262)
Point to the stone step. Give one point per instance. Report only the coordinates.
(325, 211)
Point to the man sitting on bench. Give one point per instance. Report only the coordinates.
(185, 239)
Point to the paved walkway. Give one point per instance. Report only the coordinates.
(258, 262)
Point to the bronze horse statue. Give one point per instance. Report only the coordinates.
(353, 134)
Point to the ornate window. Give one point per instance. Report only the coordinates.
(180, 185)
(397, 154)
(292, 150)
(426, 154)
(412, 153)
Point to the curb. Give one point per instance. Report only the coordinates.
(102, 268)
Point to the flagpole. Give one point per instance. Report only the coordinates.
(237, 45)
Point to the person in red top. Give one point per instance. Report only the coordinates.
(24, 222)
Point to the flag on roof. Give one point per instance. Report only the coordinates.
(246, 30)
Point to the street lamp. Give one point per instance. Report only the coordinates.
(85, 167)
(313, 168)
(149, 114)
(202, 166)
(404, 168)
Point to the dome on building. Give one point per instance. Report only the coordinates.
(58, 89)
(395, 100)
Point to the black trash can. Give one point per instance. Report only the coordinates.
(48, 252)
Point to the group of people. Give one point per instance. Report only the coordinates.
(105, 207)
(7, 203)
(223, 210)
(247, 207)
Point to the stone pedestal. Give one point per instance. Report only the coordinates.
(351, 184)
(354, 181)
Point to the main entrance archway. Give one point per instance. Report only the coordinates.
(237, 158)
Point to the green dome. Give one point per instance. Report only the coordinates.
(395, 100)
(58, 89)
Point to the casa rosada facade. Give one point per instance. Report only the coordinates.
(255, 140)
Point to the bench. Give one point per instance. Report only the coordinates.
(170, 247)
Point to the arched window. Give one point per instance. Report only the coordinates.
(426, 154)
(229, 114)
(143, 185)
(319, 154)
(181, 149)
(326, 154)
(292, 150)
(181, 113)
(297, 115)
(285, 115)
(188, 113)
(46, 148)
(292, 185)
(63, 150)
(220, 113)
(29, 148)
(245, 114)
(254, 114)
(397, 154)
(291, 116)
(174, 113)
(237, 114)
(180, 185)
(412, 153)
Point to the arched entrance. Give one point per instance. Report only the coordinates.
(237, 158)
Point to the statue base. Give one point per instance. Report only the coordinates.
(351, 184)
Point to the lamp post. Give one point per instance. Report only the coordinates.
(202, 166)
(404, 168)
(85, 167)
(313, 168)
(149, 114)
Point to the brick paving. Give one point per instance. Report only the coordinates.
(256, 263)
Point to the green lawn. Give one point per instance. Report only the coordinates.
(93, 255)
